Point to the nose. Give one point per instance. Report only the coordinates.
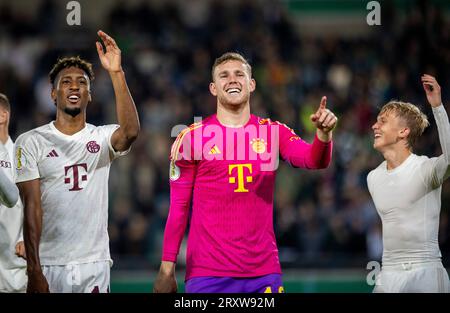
(232, 78)
(74, 85)
(375, 126)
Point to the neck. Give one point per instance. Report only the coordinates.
(4, 135)
(395, 158)
(69, 125)
(233, 116)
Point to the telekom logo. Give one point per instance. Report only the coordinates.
(240, 176)
(77, 173)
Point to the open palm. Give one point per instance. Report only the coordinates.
(111, 59)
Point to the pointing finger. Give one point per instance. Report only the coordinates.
(323, 102)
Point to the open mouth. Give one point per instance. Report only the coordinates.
(233, 91)
(73, 98)
(377, 136)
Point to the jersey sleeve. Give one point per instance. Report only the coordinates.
(436, 170)
(299, 153)
(108, 130)
(9, 193)
(370, 182)
(26, 159)
(182, 175)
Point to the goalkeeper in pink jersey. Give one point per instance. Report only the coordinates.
(222, 175)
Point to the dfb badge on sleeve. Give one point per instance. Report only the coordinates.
(174, 171)
(20, 159)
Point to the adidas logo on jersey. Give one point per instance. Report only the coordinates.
(52, 154)
(214, 150)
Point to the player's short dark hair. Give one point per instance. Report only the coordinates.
(71, 62)
(4, 102)
(230, 56)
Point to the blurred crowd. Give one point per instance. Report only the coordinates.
(322, 218)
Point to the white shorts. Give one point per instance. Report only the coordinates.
(14, 280)
(413, 277)
(78, 278)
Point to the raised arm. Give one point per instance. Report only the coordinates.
(325, 121)
(441, 170)
(317, 155)
(32, 228)
(127, 115)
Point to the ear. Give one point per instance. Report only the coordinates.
(212, 89)
(53, 95)
(252, 85)
(404, 133)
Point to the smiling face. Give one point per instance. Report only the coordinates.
(389, 130)
(232, 83)
(71, 91)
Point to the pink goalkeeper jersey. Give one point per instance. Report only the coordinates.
(227, 175)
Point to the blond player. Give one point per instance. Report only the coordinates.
(406, 190)
(62, 175)
(12, 268)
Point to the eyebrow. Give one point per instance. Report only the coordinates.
(71, 76)
(227, 71)
(77, 77)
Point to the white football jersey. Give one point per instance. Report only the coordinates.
(73, 173)
(12, 268)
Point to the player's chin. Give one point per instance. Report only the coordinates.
(237, 101)
(377, 145)
(77, 105)
(70, 104)
(74, 109)
(231, 103)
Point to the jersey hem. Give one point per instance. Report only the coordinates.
(44, 263)
(209, 273)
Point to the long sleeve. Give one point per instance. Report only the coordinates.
(299, 153)
(441, 166)
(182, 176)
